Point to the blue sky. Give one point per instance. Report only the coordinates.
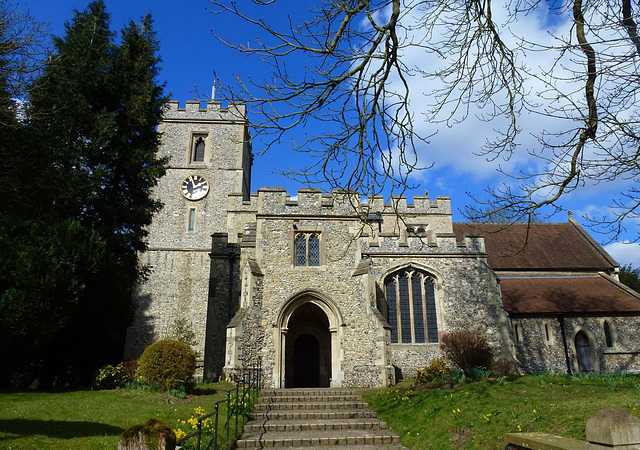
(191, 54)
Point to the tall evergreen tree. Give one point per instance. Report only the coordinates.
(630, 276)
(93, 138)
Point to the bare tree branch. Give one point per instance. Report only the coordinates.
(358, 85)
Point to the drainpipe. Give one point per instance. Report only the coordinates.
(564, 343)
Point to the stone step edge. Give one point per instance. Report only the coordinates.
(310, 406)
(307, 398)
(313, 414)
(310, 391)
(348, 447)
(287, 425)
(263, 441)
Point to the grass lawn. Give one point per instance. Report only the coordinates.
(470, 416)
(477, 415)
(91, 419)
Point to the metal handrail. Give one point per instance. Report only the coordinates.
(247, 389)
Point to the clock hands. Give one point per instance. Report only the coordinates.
(195, 187)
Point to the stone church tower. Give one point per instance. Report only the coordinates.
(209, 159)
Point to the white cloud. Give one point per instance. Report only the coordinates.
(625, 252)
(453, 147)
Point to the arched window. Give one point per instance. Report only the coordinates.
(197, 153)
(411, 307)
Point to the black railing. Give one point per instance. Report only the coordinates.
(239, 403)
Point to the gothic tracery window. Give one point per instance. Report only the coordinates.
(307, 249)
(198, 147)
(411, 307)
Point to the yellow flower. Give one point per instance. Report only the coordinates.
(179, 433)
(534, 411)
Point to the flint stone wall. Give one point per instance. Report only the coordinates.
(536, 354)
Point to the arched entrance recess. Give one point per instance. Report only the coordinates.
(308, 354)
(584, 352)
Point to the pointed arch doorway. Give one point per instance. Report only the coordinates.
(309, 344)
(308, 350)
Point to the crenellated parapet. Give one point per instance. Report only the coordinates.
(420, 205)
(312, 202)
(194, 112)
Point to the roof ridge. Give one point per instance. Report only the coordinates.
(593, 242)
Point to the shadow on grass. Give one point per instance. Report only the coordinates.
(202, 390)
(56, 428)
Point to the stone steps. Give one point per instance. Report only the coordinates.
(363, 413)
(317, 405)
(309, 398)
(348, 447)
(314, 425)
(315, 418)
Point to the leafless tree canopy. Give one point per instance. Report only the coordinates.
(360, 72)
(23, 45)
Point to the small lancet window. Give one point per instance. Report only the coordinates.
(192, 219)
(608, 335)
(546, 332)
(517, 331)
(198, 149)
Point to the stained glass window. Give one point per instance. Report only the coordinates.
(307, 247)
(314, 250)
(411, 307)
(418, 316)
(301, 250)
(405, 315)
(392, 316)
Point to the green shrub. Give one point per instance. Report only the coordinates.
(110, 377)
(183, 331)
(476, 373)
(467, 350)
(169, 363)
(436, 369)
(457, 376)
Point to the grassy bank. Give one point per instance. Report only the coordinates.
(470, 416)
(477, 415)
(91, 419)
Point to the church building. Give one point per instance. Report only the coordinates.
(328, 290)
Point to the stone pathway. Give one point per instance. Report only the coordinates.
(315, 419)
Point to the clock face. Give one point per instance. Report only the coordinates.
(194, 187)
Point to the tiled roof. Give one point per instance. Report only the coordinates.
(596, 294)
(538, 246)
